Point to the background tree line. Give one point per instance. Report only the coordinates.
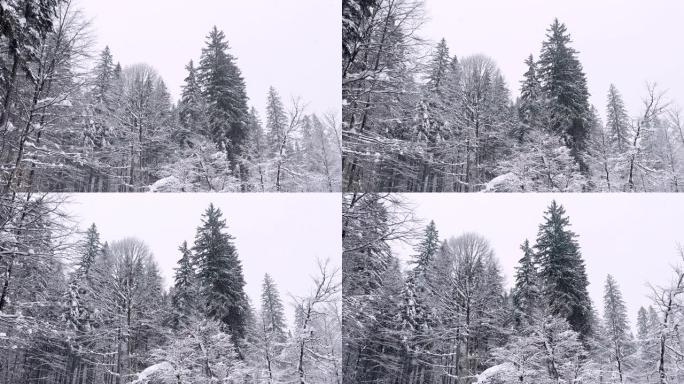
(74, 309)
(67, 126)
(446, 316)
(449, 123)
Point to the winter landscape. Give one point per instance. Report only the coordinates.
(512, 289)
(156, 289)
(443, 96)
(75, 118)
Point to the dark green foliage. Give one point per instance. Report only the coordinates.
(565, 90)
(224, 91)
(527, 294)
(426, 249)
(530, 104)
(91, 249)
(562, 271)
(219, 273)
(272, 309)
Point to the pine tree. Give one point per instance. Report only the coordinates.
(276, 121)
(104, 76)
(616, 325)
(565, 89)
(562, 271)
(530, 105)
(101, 131)
(219, 273)
(80, 295)
(439, 67)
(224, 91)
(271, 333)
(184, 294)
(91, 249)
(642, 324)
(647, 331)
(191, 108)
(526, 295)
(272, 309)
(426, 249)
(617, 121)
(257, 151)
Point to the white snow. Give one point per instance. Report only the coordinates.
(65, 103)
(167, 184)
(7, 237)
(10, 126)
(494, 374)
(161, 373)
(503, 183)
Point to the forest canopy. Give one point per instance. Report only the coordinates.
(77, 309)
(439, 122)
(68, 125)
(443, 312)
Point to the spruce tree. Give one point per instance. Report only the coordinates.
(530, 105)
(617, 120)
(257, 150)
(436, 111)
(104, 76)
(224, 91)
(526, 295)
(272, 309)
(642, 324)
(276, 121)
(439, 67)
(103, 123)
(219, 273)
(562, 271)
(426, 249)
(184, 294)
(616, 325)
(645, 335)
(191, 108)
(91, 249)
(564, 86)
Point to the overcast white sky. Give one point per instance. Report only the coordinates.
(292, 45)
(631, 236)
(626, 42)
(279, 234)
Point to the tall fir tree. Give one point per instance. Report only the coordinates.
(219, 273)
(562, 271)
(104, 76)
(90, 251)
(224, 91)
(276, 121)
(565, 89)
(185, 286)
(257, 150)
(427, 248)
(616, 325)
(439, 67)
(617, 120)
(647, 326)
(272, 309)
(191, 108)
(530, 105)
(526, 295)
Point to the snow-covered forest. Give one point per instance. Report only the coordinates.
(437, 122)
(445, 315)
(75, 120)
(77, 309)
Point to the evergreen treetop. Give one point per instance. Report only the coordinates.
(562, 271)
